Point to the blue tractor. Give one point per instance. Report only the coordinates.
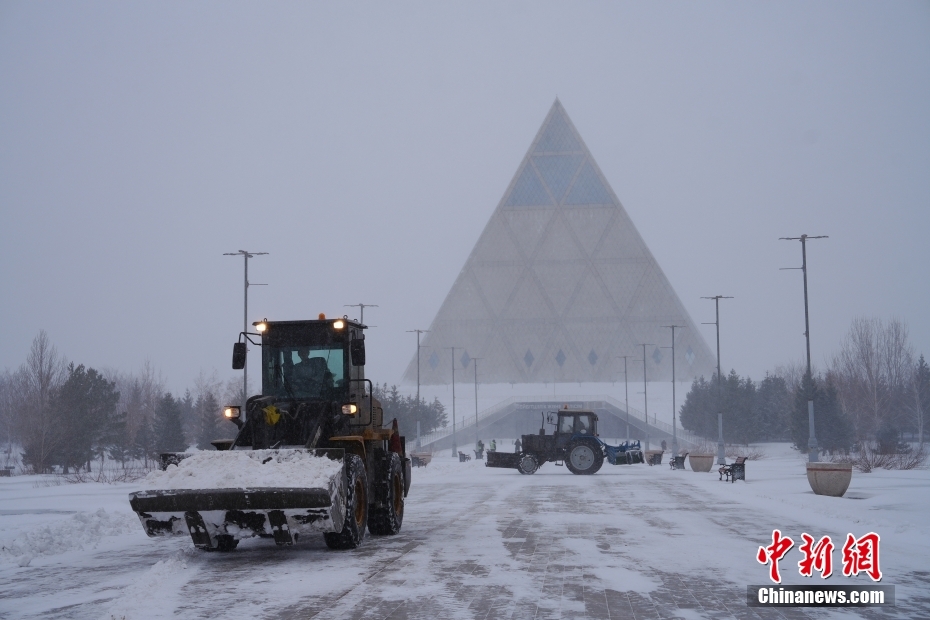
(574, 441)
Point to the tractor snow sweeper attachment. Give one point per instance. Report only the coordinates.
(221, 497)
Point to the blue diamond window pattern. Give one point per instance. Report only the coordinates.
(657, 356)
(528, 191)
(588, 189)
(433, 360)
(466, 360)
(592, 357)
(558, 137)
(557, 171)
(689, 355)
(528, 358)
(560, 358)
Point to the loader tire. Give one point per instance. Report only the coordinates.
(584, 458)
(353, 530)
(528, 464)
(386, 520)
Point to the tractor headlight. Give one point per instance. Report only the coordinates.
(350, 409)
(339, 324)
(231, 412)
(260, 326)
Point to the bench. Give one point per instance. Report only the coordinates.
(463, 457)
(420, 459)
(735, 470)
(678, 462)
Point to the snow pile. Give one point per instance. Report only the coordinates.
(150, 596)
(247, 469)
(83, 528)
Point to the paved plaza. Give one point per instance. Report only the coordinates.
(629, 542)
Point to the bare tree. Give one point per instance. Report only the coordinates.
(874, 371)
(33, 386)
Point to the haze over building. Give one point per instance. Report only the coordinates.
(560, 284)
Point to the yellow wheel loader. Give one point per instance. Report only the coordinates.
(310, 456)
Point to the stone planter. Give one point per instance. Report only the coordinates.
(701, 462)
(829, 478)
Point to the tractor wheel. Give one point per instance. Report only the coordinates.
(353, 530)
(527, 464)
(583, 458)
(387, 519)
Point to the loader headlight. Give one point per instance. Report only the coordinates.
(350, 409)
(231, 412)
(260, 326)
(339, 324)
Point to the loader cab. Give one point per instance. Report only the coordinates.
(312, 360)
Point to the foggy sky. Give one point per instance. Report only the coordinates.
(365, 147)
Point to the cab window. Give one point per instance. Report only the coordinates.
(584, 424)
(566, 424)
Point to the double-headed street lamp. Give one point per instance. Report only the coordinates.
(813, 455)
(674, 412)
(721, 450)
(645, 394)
(245, 319)
(626, 393)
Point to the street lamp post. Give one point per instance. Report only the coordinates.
(721, 450)
(361, 307)
(476, 400)
(455, 449)
(813, 455)
(645, 394)
(626, 394)
(245, 319)
(418, 332)
(674, 412)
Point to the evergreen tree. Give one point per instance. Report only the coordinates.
(116, 439)
(190, 415)
(143, 446)
(84, 407)
(740, 421)
(699, 412)
(208, 410)
(833, 428)
(169, 435)
(921, 396)
(773, 409)
(405, 409)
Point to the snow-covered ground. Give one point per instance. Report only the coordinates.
(630, 541)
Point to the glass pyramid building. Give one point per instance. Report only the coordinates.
(560, 284)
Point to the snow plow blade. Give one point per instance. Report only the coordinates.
(508, 460)
(216, 518)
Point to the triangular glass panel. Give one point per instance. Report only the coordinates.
(589, 224)
(557, 136)
(588, 189)
(528, 191)
(557, 172)
(527, 227)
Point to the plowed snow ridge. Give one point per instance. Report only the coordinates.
(246, 469)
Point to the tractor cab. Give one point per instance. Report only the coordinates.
(569, 423)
